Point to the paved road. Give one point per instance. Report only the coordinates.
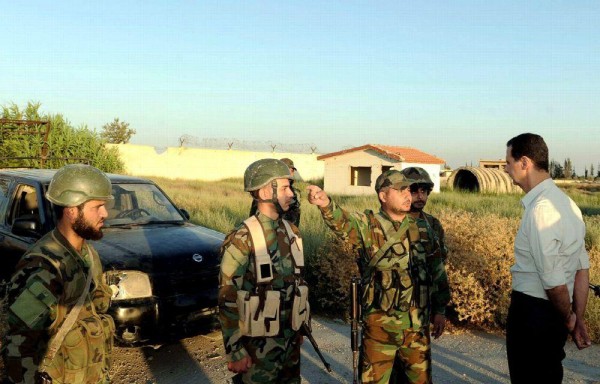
(458, 358)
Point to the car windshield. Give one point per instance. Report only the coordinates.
(140, 204)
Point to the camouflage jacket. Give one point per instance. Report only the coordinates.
(439, 234)
(48, 281)
(366, 235)
(238, 273)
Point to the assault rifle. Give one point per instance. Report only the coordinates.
(307, 332)
(355, 317)
(595, 289)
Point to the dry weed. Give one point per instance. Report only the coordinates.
(481, 253)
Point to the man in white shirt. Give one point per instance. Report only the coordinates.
(550, 275)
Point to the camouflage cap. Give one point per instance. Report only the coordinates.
(288, 162)
(392, 178)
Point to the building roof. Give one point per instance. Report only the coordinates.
(404, 154)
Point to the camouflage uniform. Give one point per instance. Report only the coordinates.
(438, 231)
(274, 359)
(47, 283)
(403, 326)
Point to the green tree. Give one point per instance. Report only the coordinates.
(67, 144)
(556, 170)
(592, 175)
(117, 132)
(568, 169)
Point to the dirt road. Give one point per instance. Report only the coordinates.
(458, 358)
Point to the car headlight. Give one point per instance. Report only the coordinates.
(128, 284)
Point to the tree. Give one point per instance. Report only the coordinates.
(117, 132)
(67, 144)
(568, 169)
(556, 170)
(592, 171)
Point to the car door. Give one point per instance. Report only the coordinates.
(22, 223)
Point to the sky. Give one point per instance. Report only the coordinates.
(455, 79)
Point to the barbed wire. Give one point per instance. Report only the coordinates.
(189, 141)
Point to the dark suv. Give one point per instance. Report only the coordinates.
(163, 269)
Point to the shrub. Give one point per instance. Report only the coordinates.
(478, 266)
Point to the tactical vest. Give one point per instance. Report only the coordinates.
(260, 311)
(396, 277)
(85, 354)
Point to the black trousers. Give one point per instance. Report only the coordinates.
(535, 340)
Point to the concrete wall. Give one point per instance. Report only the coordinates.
(205, 164)
(338, 171)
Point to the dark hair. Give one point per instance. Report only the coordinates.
(531, 145)
(59, 211)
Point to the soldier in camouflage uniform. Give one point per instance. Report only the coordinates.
(292, 214)
(402, 284)
(420, 191)
(50, 282)
(274, 358)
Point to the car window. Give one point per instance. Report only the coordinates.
(25, 205)
(4, 184)
(140, 203)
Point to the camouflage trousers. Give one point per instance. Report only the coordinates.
(274, 360)
(384, 341)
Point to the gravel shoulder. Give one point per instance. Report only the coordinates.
(466, 357)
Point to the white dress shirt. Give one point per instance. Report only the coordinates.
(550, 243)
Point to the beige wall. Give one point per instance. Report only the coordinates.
(338, 171)
(205, 164)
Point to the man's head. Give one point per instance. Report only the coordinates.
(393, 191)
(526, 153)
(268, 181)
(290, 164)
(421, 189)
(81, 192)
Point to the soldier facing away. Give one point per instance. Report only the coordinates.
(402, 285)
(57, 297)
(262, 296)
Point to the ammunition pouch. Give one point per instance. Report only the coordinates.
(388, 290)
(259, 316)
(300, 308)
(85, 354)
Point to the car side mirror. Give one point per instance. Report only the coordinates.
(26, 227)
(185, 213)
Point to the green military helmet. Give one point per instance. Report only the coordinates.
(289, 162)
(75, 184)
(419, 175)
(262, 172)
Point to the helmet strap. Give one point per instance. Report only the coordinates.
(275, 200)
(272, 200)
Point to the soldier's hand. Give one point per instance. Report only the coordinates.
(439, 323)
(240, 366)
(317, 196)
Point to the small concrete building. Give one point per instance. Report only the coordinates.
(493, 164)
(354, 171)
